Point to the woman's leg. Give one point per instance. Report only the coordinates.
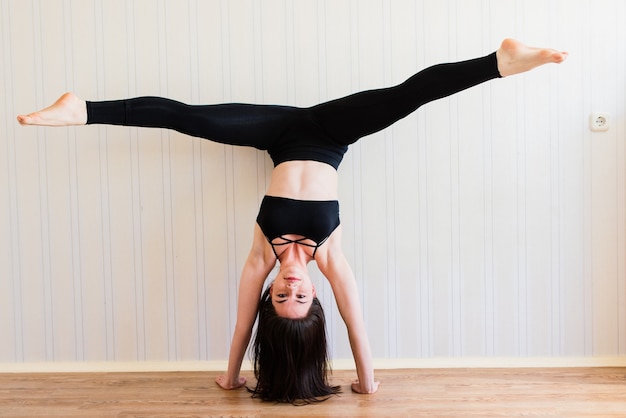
(235, 124)
(352, 117)
(355, 116)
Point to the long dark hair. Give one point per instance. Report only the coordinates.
(290, 356)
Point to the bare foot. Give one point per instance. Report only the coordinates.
(514, 57)
(68, 110)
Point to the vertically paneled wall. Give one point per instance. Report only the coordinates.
(489, 224)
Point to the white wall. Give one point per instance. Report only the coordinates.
(491, 224)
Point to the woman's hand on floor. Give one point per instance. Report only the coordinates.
(227, 384)
(358, 388)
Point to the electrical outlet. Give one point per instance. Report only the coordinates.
(599, 122)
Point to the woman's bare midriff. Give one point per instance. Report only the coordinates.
(304, 180)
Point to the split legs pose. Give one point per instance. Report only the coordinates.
(335, 125)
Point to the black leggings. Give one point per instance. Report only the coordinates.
(344, 120)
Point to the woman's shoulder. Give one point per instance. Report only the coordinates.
(261, 251)
(330, 255)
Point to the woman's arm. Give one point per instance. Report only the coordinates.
(256, 269)
(333, 264)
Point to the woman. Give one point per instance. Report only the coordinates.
(299, 218)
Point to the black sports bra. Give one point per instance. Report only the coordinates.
(313, 220)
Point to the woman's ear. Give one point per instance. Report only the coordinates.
(314, 292)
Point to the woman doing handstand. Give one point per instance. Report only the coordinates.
(298, 220)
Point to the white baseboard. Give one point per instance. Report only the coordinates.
(115, 366)
(490, 362)
(338, 364)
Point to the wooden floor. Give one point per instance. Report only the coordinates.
(576, 392)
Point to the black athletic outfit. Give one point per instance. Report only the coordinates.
(318, 133)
